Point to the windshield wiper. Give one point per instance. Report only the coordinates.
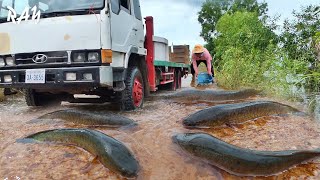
(5, 8)
(59, 13)
(2, 20)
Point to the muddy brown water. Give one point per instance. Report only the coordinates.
(150, 142)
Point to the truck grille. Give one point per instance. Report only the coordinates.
(51, 58)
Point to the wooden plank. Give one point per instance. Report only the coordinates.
(181, 47)
(180, 56)
(184, 51)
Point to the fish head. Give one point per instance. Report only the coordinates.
(131, 172)
(192, 142)
(177, 139)
(183, 140)
(121, 161)
(191, 122)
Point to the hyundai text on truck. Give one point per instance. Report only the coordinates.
(93, 47)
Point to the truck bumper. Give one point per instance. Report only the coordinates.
(86, 77)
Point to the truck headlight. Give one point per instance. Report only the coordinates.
(79, 57)
(10, 61)
(93, 57)
(7, 78)
(2, 63)
(87, 77)
(71, 76)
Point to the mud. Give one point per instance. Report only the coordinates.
(150, 142)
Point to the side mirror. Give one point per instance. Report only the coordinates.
(115, 6)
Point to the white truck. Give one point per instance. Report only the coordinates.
(92, 47)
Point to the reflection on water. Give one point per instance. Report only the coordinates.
(150, 142)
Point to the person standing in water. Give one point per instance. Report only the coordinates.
(200, 54)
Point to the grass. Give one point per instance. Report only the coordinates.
(202, 68)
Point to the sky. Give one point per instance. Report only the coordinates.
(177, 20)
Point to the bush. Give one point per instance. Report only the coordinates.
(249, 57)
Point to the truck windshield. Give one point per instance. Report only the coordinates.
(49, 6)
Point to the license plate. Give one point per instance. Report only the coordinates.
(35, 76)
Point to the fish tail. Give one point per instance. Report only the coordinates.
(26, 141)
(300, 114)
(130, 126)
(34, 121)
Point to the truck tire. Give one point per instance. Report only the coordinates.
(133, 95)
(8, 92)
(32, 98)
(173, 85)
(178, 79)
(35, 99)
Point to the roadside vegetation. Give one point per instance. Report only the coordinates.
(252, 50)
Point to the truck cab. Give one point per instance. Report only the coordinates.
(92, 47)
(77, 47)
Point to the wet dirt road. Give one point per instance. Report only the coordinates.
(150, 142)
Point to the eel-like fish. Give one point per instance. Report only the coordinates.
(239, 161)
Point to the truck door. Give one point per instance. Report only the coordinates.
(123, 28)
(138, 26)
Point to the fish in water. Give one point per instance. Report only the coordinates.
(210, 95)
(110, 152)
(87, 118)
(240, 161)
(235, 113)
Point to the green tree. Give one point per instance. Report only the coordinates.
(244, 31)
(213, 10)
(300, 40)
(237, 44)
(300, 37)
(250, 57)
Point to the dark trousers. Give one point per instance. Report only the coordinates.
(198, 63)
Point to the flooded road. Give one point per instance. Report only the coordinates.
(150, 141)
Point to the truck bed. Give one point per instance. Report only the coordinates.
(170, 64)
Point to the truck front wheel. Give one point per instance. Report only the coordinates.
(34, 98)
(133, 95)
